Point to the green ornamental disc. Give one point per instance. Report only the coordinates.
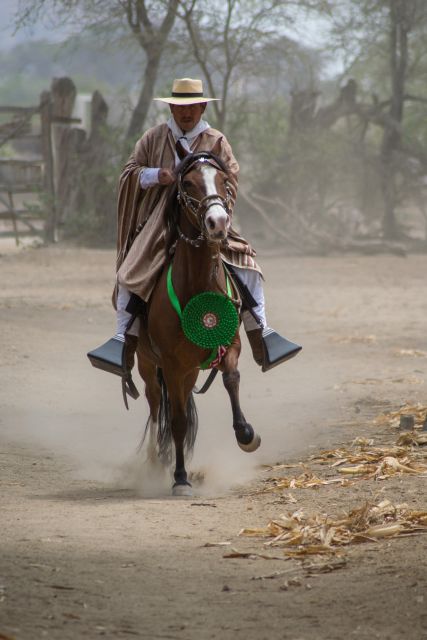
(210, 320)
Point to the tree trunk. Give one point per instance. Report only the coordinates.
(392, 137)
(140, 112)
(152, 40)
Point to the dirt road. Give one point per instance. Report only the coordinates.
(93, 546)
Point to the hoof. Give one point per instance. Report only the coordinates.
(252, 445)
(182, 490)
(247, 439)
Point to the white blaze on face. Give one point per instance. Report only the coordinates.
(216, 212)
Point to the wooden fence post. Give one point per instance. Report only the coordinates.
(66, 143)
(48, 181)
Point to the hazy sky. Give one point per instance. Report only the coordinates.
(7, 28)
(308, 31)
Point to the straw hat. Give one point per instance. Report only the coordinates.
(186, 91)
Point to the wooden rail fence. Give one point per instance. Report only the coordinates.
(39, 173)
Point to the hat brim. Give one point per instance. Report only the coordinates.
(178, 101)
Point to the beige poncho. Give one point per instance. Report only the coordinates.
(142, 256)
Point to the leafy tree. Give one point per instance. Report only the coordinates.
(383, 42)
(149, 22)
(228, 39)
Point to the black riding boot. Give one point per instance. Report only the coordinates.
(255, 340)
(117, 356)
(270, 349)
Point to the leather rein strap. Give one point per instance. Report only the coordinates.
(211, 377)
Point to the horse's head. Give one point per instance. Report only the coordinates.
(204, 194)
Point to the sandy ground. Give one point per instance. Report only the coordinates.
(94, 545)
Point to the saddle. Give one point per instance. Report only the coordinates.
(110, 356)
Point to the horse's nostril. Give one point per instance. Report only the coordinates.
(211, 224)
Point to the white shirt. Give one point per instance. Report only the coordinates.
(150, 176)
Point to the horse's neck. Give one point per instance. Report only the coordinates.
(196, 269)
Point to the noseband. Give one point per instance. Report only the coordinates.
(195, 209)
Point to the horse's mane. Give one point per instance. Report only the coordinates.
(171, 210)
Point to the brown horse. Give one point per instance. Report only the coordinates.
(198, 219)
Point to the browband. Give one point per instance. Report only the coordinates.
(202, 156)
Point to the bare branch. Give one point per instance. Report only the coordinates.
(411, 98)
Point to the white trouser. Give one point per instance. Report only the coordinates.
(123, 316)
(252, 279)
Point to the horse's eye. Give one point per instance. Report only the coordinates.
(186, 184)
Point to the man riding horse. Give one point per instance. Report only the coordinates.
(145, 186)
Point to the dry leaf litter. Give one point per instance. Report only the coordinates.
(362, 460)
(301, 535)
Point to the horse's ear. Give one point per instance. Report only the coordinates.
(181, 151)
(216, 150)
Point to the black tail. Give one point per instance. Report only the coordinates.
(144, 435)
(164, 432)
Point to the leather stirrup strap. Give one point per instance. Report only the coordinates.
(129, 388)
(128, 385)
(211, 377)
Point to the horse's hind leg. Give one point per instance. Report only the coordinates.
(246, 437)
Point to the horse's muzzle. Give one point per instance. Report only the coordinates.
(219, 236)
(217, 224)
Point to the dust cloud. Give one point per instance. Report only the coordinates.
(52, 398)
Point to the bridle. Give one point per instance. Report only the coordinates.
(196, 209)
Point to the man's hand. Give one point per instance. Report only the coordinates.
(166, 176)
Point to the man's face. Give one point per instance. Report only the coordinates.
(187, 116)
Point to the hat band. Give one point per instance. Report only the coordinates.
(176, 94)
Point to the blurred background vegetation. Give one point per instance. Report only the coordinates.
(323, 101)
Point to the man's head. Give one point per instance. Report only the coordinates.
(187, 102)
(187, 116)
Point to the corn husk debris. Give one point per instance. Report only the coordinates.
(300, 534)
(360, 461)
(392, 418)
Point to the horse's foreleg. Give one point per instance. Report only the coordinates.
(179, 390)
(246, 437)
(179, 429)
